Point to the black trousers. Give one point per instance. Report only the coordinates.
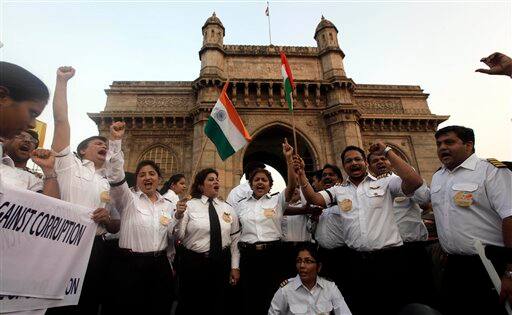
(261, 272)
(202, 283)
(335, 266)
(375, 283)
(95, 284)
(467, 288)
(143, 284)
(419, 278)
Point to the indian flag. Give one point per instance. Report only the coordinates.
(225, 128)
(287, 81)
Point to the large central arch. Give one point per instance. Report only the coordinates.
(266, 147)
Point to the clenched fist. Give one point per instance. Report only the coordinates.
(117, 130)
(181, 207)
(65, 73)
(43, 158)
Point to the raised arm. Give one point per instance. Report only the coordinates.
(61, 133)
(292, 178)
(311, 196)
(411, 180)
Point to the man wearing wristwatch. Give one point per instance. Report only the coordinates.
(376, 260)
(471, 198)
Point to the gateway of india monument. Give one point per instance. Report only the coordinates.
(165, 119)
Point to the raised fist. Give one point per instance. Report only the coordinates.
(43, 158)
(287, 150)
(101, 215)
(181, 207)
(498, 63)
(65, 73)
(377, 148)
(117, 130)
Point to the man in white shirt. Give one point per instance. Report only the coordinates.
(82, 180)
(243, 190)
(376, 260)
(471, 198)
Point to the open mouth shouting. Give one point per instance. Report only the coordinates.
(148, 184)
(356, 171)
(102, 153)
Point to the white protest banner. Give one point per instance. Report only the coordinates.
(45, 245)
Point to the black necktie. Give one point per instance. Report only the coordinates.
(215, 236)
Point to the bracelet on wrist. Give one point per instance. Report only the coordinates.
(50, 176)
(386, 150)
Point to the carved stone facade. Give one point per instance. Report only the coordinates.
(165, 120)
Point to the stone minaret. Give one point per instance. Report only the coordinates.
(212, 52)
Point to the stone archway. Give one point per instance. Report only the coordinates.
(266, 147)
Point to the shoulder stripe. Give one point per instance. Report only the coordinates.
(118, 183)
(496, 163)
(168, 200)
(330, 196)
(242, 199)
(275, 194)
(284, 283)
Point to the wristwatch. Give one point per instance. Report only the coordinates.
(386, 150)
(508, 274)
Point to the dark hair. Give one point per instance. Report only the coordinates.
(335, 170)
(352, 148)
(34, 135)
(318, 174)
(199, 179)
(264, 171)
(172, 180)
(251, 166)
(83, 145)
(22, 85)
(370, 154)
(312, 249)
(146, 163)
(463, 133)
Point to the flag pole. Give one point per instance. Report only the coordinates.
(268, 18)
(294, 133)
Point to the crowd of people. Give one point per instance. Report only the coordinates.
(324, 245)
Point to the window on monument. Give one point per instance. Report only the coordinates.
(279, 183)
(164, 157)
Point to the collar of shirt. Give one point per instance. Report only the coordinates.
(140, 195)
(469, 163)
(267, 195)
(90, 164)
(297, 283)
(368, 176)
(204, 200)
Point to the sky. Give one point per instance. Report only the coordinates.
(434, 44)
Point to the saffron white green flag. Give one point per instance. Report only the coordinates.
(225, 128)
(287, 81)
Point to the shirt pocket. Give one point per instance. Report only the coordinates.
(298, 308)
(324, 307)
(376, 196)
(464, 194)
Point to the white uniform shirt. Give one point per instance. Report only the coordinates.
(294, 227)
(408, 215)
(239, 192)
(295, 298)
(329, 228)
(194, 228)
(171, 196)
(80, 182)
(261, 218)
(144, 225)
(366, 211)
(13, 176)
(487, 188)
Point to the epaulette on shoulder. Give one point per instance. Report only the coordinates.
(284, 283)
(242, 199)
(497, 163)
(440, 167)
(383, 175)
(168, 200)
(276, 193)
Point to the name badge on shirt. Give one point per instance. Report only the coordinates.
(226, 217)
(400, 199)
(269, 213)
(165, 218)
(345, 205)
(463, 199)
(105, 196)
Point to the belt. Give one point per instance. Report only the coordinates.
(296, 244)
(129, 252)
(187, 251)
(259, 246)
(377, 252)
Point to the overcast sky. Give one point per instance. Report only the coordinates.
(434, 44)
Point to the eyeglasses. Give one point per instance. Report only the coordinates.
(27, 138)
(306, 261)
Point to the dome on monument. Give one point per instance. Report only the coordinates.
(213, 20)
(324, 23)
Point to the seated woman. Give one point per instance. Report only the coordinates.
(308, 293)
(208, 230)
(261, 253)
(175, 186)
(142, 273)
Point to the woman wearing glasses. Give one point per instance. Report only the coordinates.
(308, 293)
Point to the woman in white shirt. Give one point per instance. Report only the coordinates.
(144, 281)
(208, 260)
(175, 186)
(307, 293)
(261, 251)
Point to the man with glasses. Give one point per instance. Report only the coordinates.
(14, 171)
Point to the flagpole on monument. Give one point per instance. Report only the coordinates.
(267, 13)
